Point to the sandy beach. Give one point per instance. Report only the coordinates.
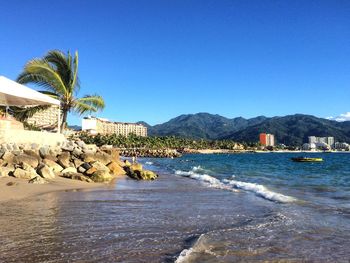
(14, 189)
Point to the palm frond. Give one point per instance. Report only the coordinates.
(94, 100)
(23, 113)
(40, 72)
(91, 103)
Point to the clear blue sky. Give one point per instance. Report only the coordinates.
(154, 60)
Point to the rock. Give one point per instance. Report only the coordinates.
(56, 168)
(68, 148)
(88, 157)
(37, 180)
(77, 176)
(81, 144)
(32, 154)
(81, 169)
(99, 166)
(102, 157)
(120, 163)
(64, 160)
(22, 174)
(91, 171)
(8, 157)
(69, 170)
(77, 152)
(101, 176)
(11, 183)
(127, 163)
(44, 151)
(148, 175)
(28, 168)
(86, 166)
(35, 146)
(115, 168)
(77, 163)
(23, 158)
(46, 172)
(6, 171)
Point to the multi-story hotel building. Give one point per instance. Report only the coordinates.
(267, 139)
(103, 126)
(327, 140)
(45, 118)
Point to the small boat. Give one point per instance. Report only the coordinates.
(306, 159)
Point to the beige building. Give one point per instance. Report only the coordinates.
(103, 126)
(45, 118)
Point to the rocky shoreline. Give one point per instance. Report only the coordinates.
(144, 152)
(73, 159)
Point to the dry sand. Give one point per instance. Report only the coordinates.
(13, 189)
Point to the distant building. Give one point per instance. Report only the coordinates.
(322, 140)
(45, 118)
(342, 146)
(267, 139)
(103, 126)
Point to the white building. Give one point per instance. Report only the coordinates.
(322, 140)
(103, 126)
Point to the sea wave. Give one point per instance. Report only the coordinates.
(149, 163)
(234, 185)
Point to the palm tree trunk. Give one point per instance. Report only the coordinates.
(64, 119)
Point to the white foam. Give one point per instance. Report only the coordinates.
(261, 191)
(207, 179)
(149, 163)
(183, 255)
(233, 185)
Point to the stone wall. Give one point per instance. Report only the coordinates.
(29, 137)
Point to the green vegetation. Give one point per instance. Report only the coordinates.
(167, 142)
(57, 73)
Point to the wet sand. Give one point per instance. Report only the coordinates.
(15, 189)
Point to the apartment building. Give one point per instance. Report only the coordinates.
(104, 126)
(267, 139)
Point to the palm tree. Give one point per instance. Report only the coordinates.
(57, 73)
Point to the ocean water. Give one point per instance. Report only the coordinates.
(203, 208)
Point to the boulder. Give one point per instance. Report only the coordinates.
(37, 180)
(24, 158)
(101, 176)
(99, 166)
(81, 169)
(64, 160)
(136, 166)
(102, 157)
(32, 153)
(86, 166)
(44, 151)
(91, 171)
(77, 176)
(148, 175)
(8, 157)
(115, 168)
(77, 163)
(46, 172)
(56, 168)
(77, 152)
(6, 171)
(69, 170)
(23, 174)
(127, 163)
(27, 167)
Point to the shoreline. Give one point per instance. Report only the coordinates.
(21, 189)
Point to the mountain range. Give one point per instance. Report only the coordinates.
(289, 130)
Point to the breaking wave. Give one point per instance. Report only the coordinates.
(234, 185)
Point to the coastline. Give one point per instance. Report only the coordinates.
(17, 189)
